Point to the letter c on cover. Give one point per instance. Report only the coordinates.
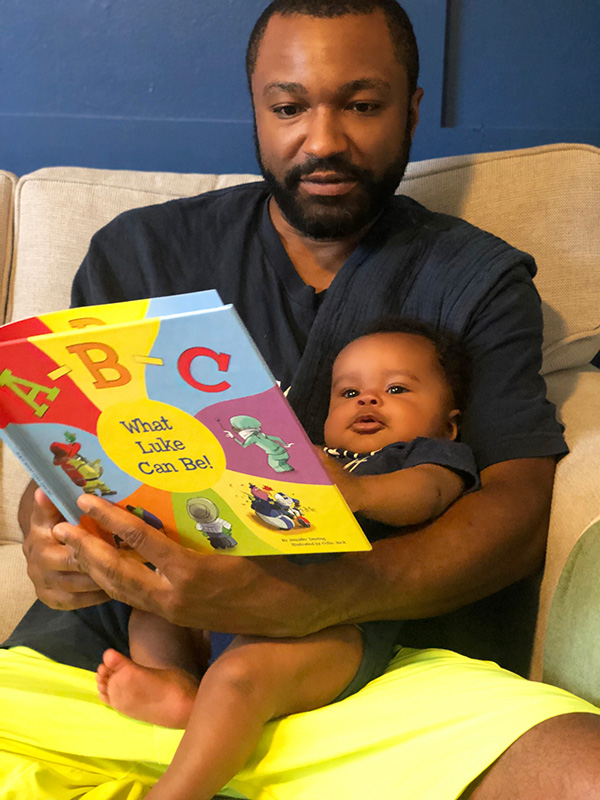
(184, 365)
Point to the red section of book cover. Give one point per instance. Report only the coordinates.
(29, 395)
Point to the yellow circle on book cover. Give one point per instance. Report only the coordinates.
(161, 445)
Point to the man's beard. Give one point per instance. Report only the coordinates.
(334, 217)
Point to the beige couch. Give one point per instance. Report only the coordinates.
(544, 200)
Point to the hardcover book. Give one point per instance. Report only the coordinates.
(166, 408)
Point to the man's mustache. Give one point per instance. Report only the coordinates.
(343, 169)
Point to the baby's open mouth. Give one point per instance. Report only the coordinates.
(367, 423)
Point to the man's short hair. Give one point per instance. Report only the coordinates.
(450, 350)
(399, 25)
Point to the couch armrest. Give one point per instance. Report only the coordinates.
(16, 590)
(576, 499)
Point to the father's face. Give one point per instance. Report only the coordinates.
(334, 120)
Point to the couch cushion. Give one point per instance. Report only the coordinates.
(543, 200)
(540, 199)
(15, 585)
(8, 181)
(57, 210)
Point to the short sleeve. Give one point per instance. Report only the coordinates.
(508, 415)
(456, 456)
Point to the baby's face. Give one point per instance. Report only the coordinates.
(388, 387)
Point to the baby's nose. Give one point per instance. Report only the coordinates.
(368, 399)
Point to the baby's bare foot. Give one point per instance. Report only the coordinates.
(161, 696)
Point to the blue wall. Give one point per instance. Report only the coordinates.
(151, 84)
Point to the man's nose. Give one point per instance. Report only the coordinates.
(325, 134)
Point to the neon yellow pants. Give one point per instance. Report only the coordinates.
(432, 707)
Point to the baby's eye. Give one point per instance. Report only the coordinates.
(397, 389)
(349, 393)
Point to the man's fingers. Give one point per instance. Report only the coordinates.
(151, 544)
(66, 601)
(65, 590)
(44, 512)
(70, 582)
(120, 576)
(59, 564)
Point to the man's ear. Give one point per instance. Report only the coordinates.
(415, 102)
(453, 424)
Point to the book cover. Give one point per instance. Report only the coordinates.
(166, 408)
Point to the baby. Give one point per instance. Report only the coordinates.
(395, 404)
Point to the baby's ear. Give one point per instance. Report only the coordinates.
(453, 424)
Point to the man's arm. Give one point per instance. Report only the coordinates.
(484, 542)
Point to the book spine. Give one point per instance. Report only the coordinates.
(51, 485)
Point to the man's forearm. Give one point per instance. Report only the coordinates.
(484, 542)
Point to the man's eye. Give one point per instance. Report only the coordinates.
(396, 389)
(350, 393)
(364, 107)
(286, 111)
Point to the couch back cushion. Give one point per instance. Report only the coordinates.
(543, 200)
(57, 210)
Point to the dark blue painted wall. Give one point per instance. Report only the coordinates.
(151, 84)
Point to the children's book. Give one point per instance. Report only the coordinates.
(166, 408)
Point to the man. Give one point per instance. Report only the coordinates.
(308, 260)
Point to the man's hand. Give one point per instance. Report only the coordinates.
(57, 578)
(214, 592)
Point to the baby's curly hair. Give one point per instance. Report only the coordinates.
(450, 349)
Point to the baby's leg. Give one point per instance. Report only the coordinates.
(159, 682)
(154, 642)
(254, 681)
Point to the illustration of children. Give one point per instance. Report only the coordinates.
(205, 514)
(395, 404)
(250, 432)
(292, 508)
(84, 473)
(280, 511)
